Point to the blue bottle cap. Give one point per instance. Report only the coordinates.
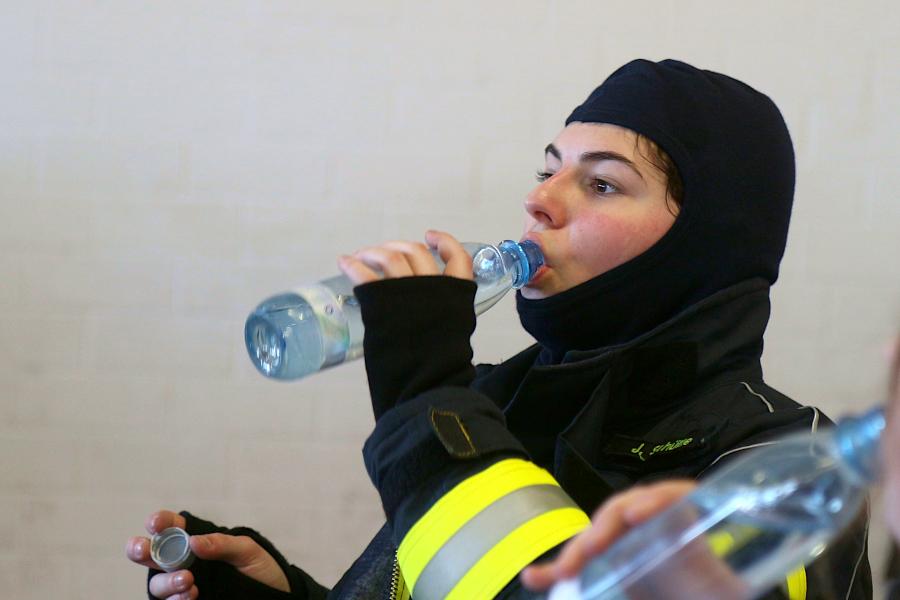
(858, 439)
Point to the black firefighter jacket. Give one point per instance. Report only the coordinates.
(677, 402)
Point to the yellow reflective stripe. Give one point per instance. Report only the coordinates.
(720, 542)
(460, 504)
(403, 592)
(518, 549)
(796, 584)
(730, 538)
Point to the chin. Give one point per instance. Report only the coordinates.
(893, 521)
(892, 504)
(530, 293)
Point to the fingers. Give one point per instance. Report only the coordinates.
(244, 554)
(366, 265)
(138, 551)
(458, 261)
(611, 521)
(407, 259)
(178, 585)
(654, 499)
(356, 270)
(417, 255)
(237, 550)
(393, 259)
(606, 526)
(163, 519)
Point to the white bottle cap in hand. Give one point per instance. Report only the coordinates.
(171, 549)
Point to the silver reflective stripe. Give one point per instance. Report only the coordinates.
(481, 533)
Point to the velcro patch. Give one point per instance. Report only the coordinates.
(453, 434)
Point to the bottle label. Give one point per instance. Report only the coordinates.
(328, 307)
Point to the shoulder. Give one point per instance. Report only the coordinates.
(752, 414)
(724, 420)
(754, 404)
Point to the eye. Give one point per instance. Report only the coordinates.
(543, 175)
(601, 186)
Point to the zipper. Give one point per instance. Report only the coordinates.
(398, 590)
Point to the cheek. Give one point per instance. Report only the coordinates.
(892, 504)
(891, 454)
(600, 242)
(614, 240)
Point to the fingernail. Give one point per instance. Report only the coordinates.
(136, 548)
(178, 580)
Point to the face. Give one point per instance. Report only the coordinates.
(891, 452)
(599, 203)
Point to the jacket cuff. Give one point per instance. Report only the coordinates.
(417, 332)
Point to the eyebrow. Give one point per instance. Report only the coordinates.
(596, 157)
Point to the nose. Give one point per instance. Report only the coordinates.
(546, 203)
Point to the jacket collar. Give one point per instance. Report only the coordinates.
(723, 332)
(566, 413)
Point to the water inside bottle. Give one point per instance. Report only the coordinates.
(749, 550)
(725, 562)
(727, 539)
(285, 338)
(798, 504)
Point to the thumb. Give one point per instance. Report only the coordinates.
(236, 550)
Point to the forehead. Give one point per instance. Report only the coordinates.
(578, 137)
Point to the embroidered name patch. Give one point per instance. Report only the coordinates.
(645, 450)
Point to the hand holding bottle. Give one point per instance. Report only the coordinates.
(407, 259)
(612, 520)
(745, 527)
(694, 572)
(318, 325)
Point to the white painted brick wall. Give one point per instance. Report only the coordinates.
(166, 165)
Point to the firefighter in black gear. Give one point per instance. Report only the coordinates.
(662, 211)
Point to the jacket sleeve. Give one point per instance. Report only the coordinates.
(219, 580)
(466, 507)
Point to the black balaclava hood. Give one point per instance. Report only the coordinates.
(734, 154)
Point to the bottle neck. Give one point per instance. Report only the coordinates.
(858, 442)
(523, 259)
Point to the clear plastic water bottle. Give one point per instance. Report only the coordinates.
(319, 325)
(746, 527)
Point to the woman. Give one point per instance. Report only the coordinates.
(662, 210)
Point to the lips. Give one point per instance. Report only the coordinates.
(537, 276)
(542, 270)
(533, 238)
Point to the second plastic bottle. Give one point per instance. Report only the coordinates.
(318, 325)
(746, 527)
